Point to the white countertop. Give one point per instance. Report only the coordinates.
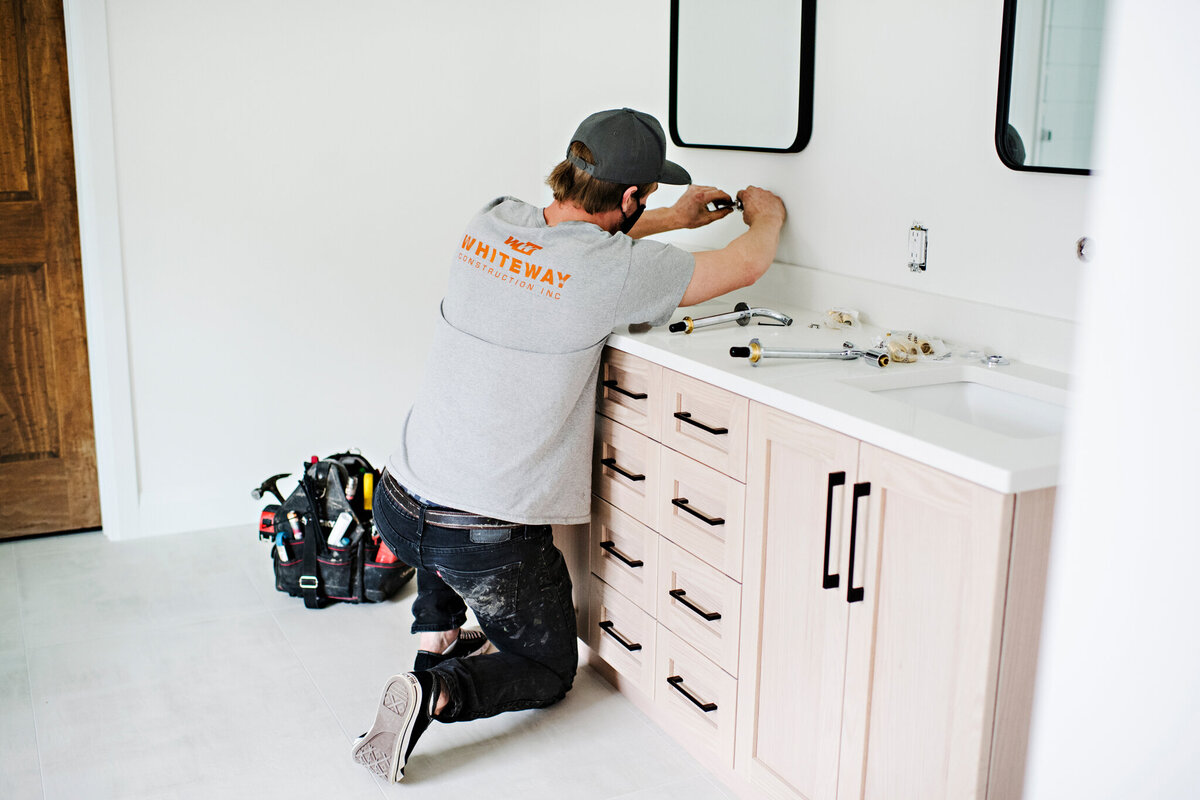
(824, 392)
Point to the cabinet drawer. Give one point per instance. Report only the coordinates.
(699, 604)
(625, 472)
(624, 554)
(706, 423)
(622, 634)
(697, 699)
(630, 392)
(702, 511)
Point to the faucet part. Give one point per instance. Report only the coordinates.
(741, 314)
(756, 352)
(717, 205)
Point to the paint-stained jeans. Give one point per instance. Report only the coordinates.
(520, 592)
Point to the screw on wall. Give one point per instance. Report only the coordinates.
(918, 247)
(1083, 249)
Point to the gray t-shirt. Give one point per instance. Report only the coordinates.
(502, 425)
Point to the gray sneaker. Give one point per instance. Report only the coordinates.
(405, 711)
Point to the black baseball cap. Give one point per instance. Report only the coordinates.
(629, 148)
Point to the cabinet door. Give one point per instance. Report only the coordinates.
(790, 686)
(923, 653)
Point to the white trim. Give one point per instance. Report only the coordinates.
(103, 267)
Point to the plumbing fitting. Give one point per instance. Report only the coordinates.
(756, 352)
(741, 314)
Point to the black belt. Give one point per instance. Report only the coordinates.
(438, 515)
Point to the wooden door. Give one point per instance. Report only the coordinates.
(794, 609)
(47, 446)
(923, 654)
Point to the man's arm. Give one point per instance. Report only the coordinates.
(744, 260)
(689, 211)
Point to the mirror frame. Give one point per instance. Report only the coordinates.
(808, 20)
(1004, 92)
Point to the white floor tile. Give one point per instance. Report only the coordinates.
(112, 588)
(171, 668)
(220, 708)
(11, 637)
(20, 773)
(351, 650)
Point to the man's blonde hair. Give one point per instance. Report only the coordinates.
(572, 185)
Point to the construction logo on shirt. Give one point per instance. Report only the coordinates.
(519, 270)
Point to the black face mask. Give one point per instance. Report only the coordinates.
(629, 220)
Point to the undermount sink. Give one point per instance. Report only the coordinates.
(984, 397)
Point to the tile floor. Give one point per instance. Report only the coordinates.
(169, 667)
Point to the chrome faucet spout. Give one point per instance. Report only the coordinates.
(756, 353)
(741, 314)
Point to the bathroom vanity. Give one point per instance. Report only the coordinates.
(823, 578)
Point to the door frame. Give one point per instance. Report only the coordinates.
(103, 267)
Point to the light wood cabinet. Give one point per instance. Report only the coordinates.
(881, 677)
(794, 638)
(818, 618)
(666, 546)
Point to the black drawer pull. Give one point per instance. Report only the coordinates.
(678, 594)
(830, 580)
(617, 388)
(677, 682)
(607, 627)
(611, 547)
(682, 502)
(855, 594)
(611, 463)
(686, 416)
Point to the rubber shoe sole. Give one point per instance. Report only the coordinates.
(382, 749)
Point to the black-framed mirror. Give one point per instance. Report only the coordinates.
(742, 74)
(1049, 74)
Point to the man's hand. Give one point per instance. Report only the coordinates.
(688, 212)
(759, 204)
(691, 211)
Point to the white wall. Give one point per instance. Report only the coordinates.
(290, 176)
(1118, 697)
(903, 129)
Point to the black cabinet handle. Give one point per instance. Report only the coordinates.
(610, 384)
(855, 594)
(830, 580)
(607, 627)
(612, 548)
(686, 416)
(682, 502)
(677, 682)
(678, 594)
(611, 463)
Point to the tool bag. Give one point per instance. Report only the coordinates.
(324, 544)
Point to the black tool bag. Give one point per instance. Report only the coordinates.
(323, 544)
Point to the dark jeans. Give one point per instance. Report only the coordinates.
(516, 582)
